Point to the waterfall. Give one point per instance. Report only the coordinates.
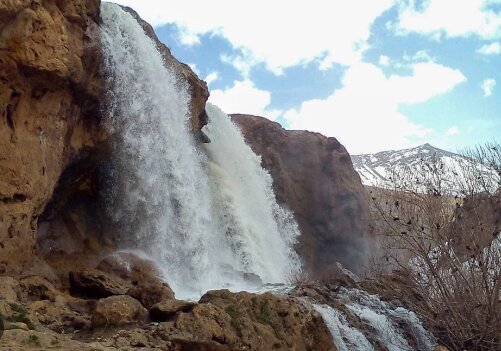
(397, 328)
(205, 214)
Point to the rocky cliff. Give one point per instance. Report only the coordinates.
(51, 140)
(48, 103)
(313, 176)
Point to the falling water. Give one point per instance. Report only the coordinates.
(394, 327)
(206, 215)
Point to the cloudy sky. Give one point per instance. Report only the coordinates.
(375, 74)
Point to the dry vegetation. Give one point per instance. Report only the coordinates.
(439, 238)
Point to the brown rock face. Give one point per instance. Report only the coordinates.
(147, 286)
(48, 99)
(314, 177)
(96, 284)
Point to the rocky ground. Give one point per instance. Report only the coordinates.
(121, 304)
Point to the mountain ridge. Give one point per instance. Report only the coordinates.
(376, 169)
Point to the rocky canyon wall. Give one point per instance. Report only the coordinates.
(313, 176)
(48, 108)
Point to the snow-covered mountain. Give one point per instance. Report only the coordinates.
(377, 169)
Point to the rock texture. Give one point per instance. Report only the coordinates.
(48, 99)
(314, 177)
(118, 310)
(220, 321)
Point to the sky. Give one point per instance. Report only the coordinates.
(375, 74)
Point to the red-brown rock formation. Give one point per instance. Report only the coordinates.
(48, 104)
(314, 177)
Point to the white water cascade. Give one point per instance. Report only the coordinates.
(205, 214)
(394, 327)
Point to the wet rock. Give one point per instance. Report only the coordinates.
(253, 279)
(118, 310)
(96, 284)
(340, 276)
(165, 310)
(142, 274)
(150, 294)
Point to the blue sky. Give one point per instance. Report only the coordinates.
(377, 75)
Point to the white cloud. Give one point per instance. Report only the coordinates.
(384, 60)
(212, 77)
(419, 56)
(364, 114)
(454, 130)
(488, 86)
(490, 49)
(244, 97)
(454, 18)
(278, 33)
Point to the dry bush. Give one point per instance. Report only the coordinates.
(439, 229)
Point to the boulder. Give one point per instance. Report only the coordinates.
(150, 294)
(141, 273)
(118, 310)
(165, 310)
(96, 284)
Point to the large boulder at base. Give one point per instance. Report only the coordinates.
(147, 285)
(313, 176)
(96, 284)
(118, 310)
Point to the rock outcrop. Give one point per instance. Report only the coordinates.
(314, 177)
(48, 100)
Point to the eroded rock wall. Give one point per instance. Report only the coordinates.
(313, 176)
(48, 104)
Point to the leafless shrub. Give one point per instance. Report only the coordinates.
(439, 229)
